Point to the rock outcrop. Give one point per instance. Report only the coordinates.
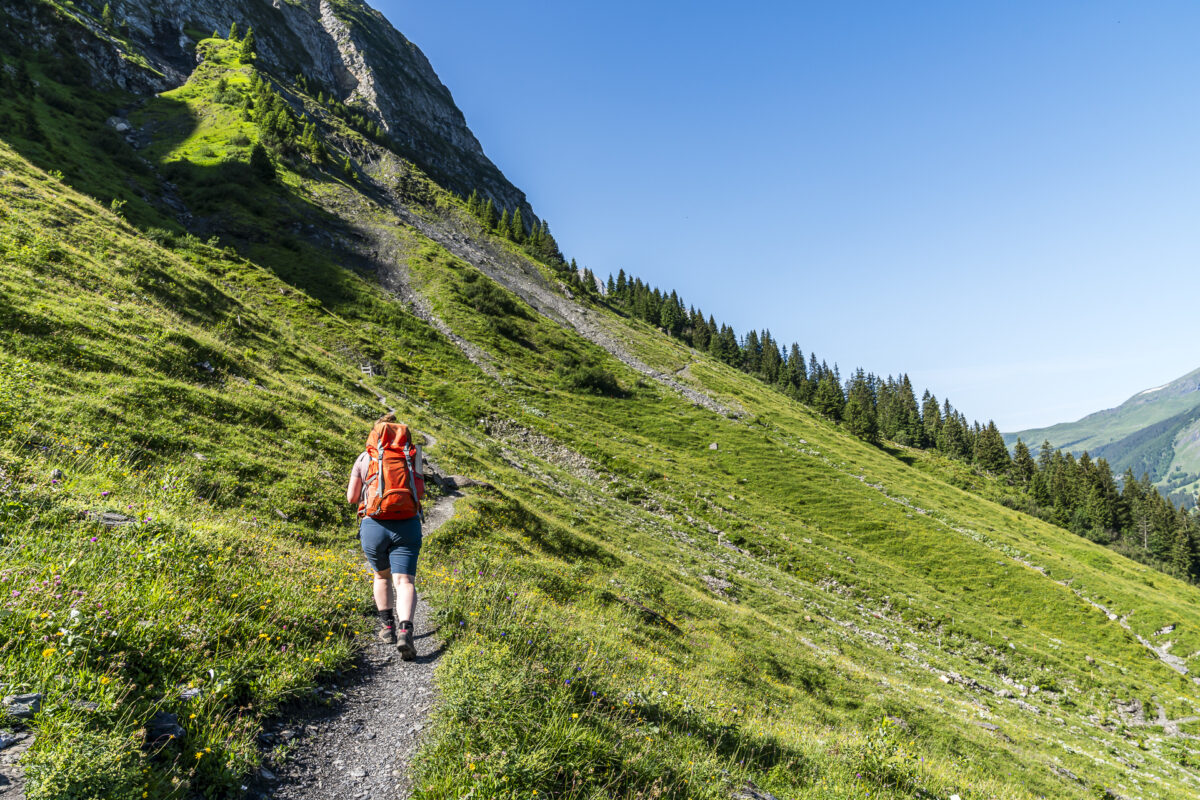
(346, 48)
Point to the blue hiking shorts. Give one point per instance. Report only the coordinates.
(391, 543)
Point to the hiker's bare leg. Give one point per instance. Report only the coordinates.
(383, 589)
(406, 596)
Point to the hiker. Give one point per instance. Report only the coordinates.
(387, 486)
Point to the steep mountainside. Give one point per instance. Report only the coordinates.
(344, 48)
(1157, 431)
(673, 581)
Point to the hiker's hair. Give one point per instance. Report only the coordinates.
(388, 417)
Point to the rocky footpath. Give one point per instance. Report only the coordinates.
(359, 743)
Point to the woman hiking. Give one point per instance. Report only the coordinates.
(386, 485)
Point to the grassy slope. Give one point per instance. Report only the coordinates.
(631, 613)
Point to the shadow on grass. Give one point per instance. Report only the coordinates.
(898, 453)
(264, 220)
(727, 741)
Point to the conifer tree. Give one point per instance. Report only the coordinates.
(488, 217)
(348, 168)
(233, 31)
(887, 411)
(701, 334)
(669, 317)
(504, 228)
(22, 81)
(828, 398)
(248, 50)
(771, 362)
(106, 18)
(260, 164)
(517, 227)
(931, 419)
(311, 143)
(990, 452)
(1023, 466)
(751, 353)
(797, 374)
(30, 126)
(860, 409)
(909, 413)
(952, 439)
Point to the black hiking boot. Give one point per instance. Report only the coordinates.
(387, 627)
(408, 650)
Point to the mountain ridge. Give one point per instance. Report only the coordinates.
(346, 47)
(1154, 432)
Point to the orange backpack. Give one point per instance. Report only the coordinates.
(393, 488)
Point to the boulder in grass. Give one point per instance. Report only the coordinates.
(752, 792)
(22, 706)
(163, 728)
(456, 482)
(109, 519)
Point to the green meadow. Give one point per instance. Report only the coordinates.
(651, 599)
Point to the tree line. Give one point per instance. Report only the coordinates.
(1132, 516)
(1081, 495)
(533, 236)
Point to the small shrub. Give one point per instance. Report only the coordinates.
(886, 759)
(84, 765)
(591, 378)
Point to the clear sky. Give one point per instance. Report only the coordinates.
(999, 198)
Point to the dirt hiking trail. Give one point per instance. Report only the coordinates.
(360, 746)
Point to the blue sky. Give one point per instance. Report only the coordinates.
(999, 198)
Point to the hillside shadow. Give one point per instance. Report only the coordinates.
(266, 220)
(223, 202)
(730, 742)
(901, 455)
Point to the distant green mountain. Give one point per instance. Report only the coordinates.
(1157, 431)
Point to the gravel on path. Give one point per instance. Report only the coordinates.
(359, 747)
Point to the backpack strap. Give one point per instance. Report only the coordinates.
(412, 478)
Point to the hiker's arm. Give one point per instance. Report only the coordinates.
(354, 490)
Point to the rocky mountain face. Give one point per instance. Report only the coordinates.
(346, 47)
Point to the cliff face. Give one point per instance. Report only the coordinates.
(345, 46)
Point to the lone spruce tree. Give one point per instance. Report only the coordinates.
(248, 46)
(106, 18)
